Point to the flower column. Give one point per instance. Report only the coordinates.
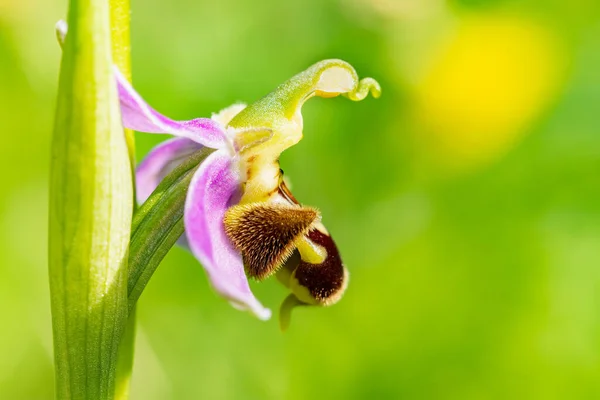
(91, 203)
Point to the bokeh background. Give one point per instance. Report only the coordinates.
(465, 201)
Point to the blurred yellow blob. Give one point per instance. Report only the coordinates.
(485, 87)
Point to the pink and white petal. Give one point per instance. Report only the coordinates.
(209, 196)
(161, 160)
(139, 116)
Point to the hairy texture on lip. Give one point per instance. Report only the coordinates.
(265, 233)
(326, 281)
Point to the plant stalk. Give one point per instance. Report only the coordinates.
(121, 53)
(91, 205)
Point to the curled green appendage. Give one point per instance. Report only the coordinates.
(365, 86)
(327, 78)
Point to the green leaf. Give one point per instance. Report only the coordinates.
(158, 224)
(91, 202)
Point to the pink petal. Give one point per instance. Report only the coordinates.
(139, 116)
(159, 163)
(208, 198)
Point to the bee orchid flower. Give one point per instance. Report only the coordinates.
(241, 220)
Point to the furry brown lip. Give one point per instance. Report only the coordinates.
(266, 233)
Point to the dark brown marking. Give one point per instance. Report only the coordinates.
(265, 233)
(326, 279)
(249, 164)
(285, 192)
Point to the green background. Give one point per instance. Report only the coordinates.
(465, 201)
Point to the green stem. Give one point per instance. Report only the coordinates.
(125, 359)
(121, 54)
(158, 224)
(91, 204)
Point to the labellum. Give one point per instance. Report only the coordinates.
(283, 237)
